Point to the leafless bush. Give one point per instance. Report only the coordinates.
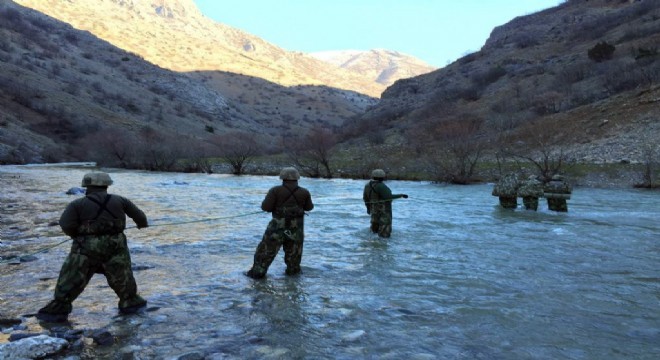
(523, 40)
(238, 149)
(312, 153)
(457, 150)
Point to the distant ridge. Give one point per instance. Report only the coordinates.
(383, 66)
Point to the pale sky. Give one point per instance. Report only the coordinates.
(435, 31)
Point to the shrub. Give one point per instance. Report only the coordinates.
(601, 52)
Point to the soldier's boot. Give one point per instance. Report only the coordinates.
(374, 228)
(132, 304)
(255, 274)
(508, 202)
(293, 270)
(55, 311)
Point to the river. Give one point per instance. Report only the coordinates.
(460, 278)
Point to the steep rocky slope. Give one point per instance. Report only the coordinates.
(175, 35)
(539, 81)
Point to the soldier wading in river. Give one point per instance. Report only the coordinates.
(378, 200)
(96, 223)
(288, 203)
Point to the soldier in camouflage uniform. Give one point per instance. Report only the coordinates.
(507, 191)
(530, 191)
(557, 191)
(288, 203)
(96, 223)
(378, 200)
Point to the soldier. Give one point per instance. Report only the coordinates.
(288, 203)
(557, 191)
(530, 191)
(96, 223)
(506, 189)
(378, 200)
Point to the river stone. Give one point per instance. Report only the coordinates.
(103, 337)
(8, 322)
(32, 348)
(29, 258)
(75, 191)
(19, 336)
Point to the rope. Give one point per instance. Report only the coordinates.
(200, 220)
(169, 224)
(45, 248)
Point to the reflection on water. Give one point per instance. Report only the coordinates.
(460, 278)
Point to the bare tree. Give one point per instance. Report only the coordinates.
(158, 152)
(312, 153)
(110, 147)
(544, 149)
(237, 149)
(457, 150)
(650, 151)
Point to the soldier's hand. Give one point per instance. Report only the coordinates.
(405, 196)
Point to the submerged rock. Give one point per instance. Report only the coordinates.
(33, 347)
(75, 191)
(8, 322)
(103, 337)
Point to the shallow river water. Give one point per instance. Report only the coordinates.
(460, 278)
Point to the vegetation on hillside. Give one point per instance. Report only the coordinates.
(548, 93)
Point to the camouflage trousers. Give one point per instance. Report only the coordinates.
(557, 205)
(381, 219)
(530, 202)
(95, 254)
(278, 235)
(508, 202)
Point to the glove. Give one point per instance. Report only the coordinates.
(404, 196)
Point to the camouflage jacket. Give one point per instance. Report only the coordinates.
(376, 192)
(287, 200)
(99, 213)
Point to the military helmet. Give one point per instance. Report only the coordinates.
(289, 173)
(378, 174)
(96, 179)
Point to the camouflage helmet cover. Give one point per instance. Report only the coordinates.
(289, 173)
(96, 179)
(378, 174)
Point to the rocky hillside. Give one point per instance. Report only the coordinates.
(67, 95)
(175, 35)
(384, 66)
(582, 78)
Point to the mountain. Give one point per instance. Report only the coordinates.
(65, 94)
(581, 79)
(383, 66)
(175, 35)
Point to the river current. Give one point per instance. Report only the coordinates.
(460, 278)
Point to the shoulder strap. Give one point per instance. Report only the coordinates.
(102, 206)
(291, 193)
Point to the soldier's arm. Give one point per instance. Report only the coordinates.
(308, 202)
(69, 221)
(269, 202)
(135, 213)
(385, 193)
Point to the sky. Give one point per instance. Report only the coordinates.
(434, 31)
